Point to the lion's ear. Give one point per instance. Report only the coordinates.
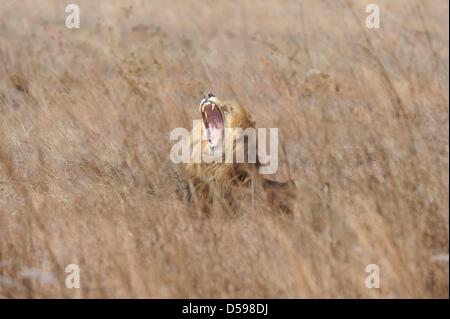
(251, 119)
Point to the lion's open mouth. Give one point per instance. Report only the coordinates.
(213, 120)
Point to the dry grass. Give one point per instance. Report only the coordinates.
(85, 175)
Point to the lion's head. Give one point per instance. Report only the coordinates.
(214, 137)
(218, 115)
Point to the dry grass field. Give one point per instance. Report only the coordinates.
(85, 174)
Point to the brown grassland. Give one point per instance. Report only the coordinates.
(85, 174)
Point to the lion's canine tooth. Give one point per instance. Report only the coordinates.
(213, 106)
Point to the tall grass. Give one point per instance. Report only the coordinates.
(85, 174)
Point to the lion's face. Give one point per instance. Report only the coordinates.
(218, 115)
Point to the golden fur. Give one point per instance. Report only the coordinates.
(210, 181)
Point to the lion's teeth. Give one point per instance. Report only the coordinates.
(213, 106)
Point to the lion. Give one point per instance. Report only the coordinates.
(223, 181)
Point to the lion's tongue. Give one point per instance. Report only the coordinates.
(215, 126)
